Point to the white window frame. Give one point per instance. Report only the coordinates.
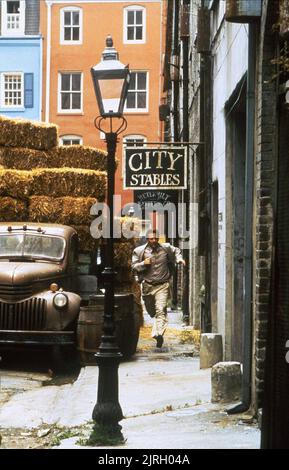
(70, 137)
(125, 25)
(2, 90)
(134, 137)
(4, 20)
(140, 110)
(71, 42)
(70, 111)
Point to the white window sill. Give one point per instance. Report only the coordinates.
(71, 43)
(134, 41)
(14, 34)
(70, 112)
(136, 111)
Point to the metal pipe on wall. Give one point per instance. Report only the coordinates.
(186, 194)
(176, 85)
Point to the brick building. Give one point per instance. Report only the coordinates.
(74, 36)
(238, 84)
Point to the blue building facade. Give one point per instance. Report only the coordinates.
(20, 59)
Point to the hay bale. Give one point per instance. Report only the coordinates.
(12, 210)
(79, 156)
(2, 158)
(74, 156)
(58, 182)
(23, 158)
(15, 183)
(124, 275)
(61, 210)
(86, 242)
(123, 254)
(24, 133)
(129, 228)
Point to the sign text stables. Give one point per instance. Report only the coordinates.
(155, 168)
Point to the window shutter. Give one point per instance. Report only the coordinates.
(28, 90)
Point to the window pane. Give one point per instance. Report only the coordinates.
(67, 18)
(130, 33)
(76, 101)
(67, 34)
(65, 100)
(65, 82)
(130, 102)
(70, 141)
(12, 90)
(138, 32)
(130, 17)
(75, 18)
(141, 100)
(134, 142)
(75, 36)
(138, 17)
(142, 80)
(13, 7)
(132, 81)
(76, 82)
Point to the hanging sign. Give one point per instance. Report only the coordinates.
(145, 197)
(155, 168)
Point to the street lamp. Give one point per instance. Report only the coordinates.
(111, 81)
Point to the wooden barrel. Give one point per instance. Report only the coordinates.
(127, 324)
(90, 325)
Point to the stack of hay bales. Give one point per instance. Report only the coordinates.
(41, 182)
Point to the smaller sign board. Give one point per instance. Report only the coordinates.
(155, 168)
(143, 197)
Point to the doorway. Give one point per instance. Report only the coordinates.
(236, 158)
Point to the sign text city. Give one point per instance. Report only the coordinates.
(155, 168)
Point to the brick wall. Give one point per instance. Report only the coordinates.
(266, 126)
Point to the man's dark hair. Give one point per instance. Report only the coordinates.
(154, 232)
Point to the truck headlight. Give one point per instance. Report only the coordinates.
(60, 300)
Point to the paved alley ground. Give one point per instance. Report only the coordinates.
(164, 396)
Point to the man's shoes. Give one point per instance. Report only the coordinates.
(159, 339)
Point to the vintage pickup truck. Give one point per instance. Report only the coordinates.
(40, 286)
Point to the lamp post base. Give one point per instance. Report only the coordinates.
(105, 436)
(107, 411)
(108, 415)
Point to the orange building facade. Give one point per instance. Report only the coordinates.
(74, 36)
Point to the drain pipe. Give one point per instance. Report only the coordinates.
(176, 85)
(248, 248)
(186, 196)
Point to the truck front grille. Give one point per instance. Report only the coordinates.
(10, 292)
(29, 315)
